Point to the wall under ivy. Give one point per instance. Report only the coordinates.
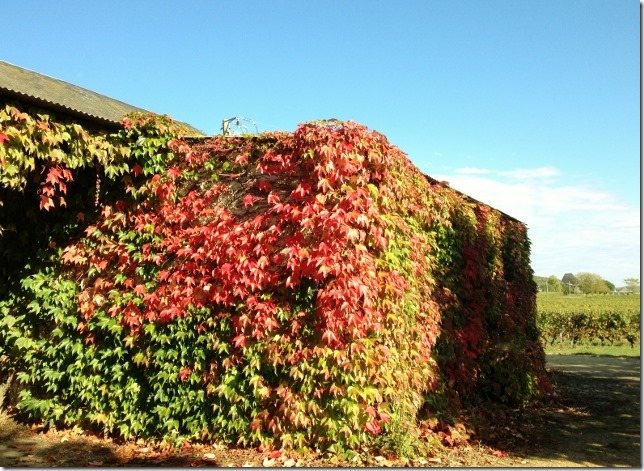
(305, 289)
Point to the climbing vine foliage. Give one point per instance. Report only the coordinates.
(305, 289)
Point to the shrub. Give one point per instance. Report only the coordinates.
(306, 289)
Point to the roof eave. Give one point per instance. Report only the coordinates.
(13, 95)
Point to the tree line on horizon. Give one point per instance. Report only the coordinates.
(583, 283)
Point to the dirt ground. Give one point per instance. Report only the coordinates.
(598, 420)
(595, 422)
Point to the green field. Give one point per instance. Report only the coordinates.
(599, 324)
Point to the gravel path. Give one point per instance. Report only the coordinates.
(598, 423)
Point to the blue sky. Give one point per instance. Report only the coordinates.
(532, 107)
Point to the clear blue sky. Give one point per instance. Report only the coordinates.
(530, 106)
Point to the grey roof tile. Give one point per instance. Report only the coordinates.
(46, 91)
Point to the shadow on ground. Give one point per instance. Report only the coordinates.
(20, 447)
(595, 422)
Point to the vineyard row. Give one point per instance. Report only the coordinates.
(583, 319)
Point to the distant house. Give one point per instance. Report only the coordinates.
(623, 290)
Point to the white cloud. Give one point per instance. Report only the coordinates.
(530, 173)
(573, 227)
(473, 171)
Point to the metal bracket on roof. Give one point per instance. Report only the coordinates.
(240, 127)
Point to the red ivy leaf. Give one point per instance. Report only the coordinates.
(174, 173)
(184, 373)
(373, 427)
(54, 175)
(139, 290)
(273, 198)
(46, 202)
(264, 185)
(240, 341)
(324, 185)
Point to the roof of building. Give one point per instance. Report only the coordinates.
(58, 95)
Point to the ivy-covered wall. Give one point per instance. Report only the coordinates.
(305, 289)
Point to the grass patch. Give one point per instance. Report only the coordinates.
(619, 349)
